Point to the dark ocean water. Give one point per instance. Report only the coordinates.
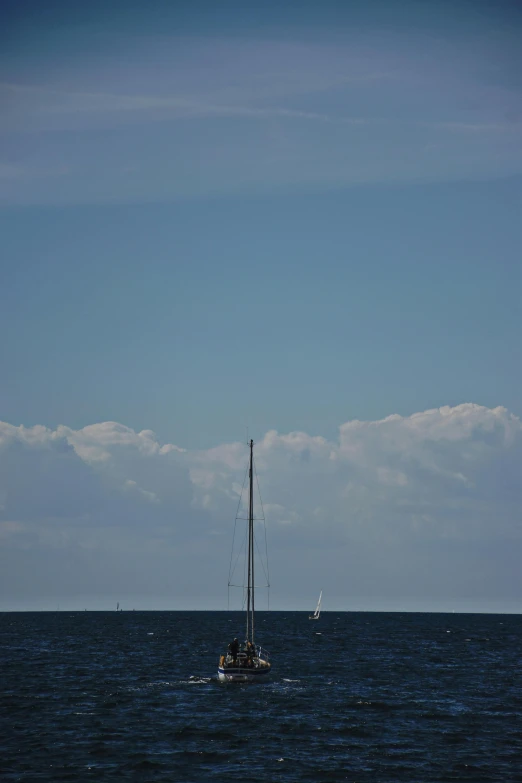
(356, 696)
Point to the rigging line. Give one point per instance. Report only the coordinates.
(241, 550)
(258, 587)
(261, 561)
(235, 524)
(245, 592)
(230, 571)
(264, 525)
(239, 553)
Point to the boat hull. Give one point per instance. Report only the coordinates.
(240, 674)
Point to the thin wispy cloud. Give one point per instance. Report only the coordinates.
(52, 101)
(61, 102)
(220, 115)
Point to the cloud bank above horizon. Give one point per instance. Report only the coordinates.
(421, 509)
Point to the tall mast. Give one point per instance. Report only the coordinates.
(251, 526)
(250, 581)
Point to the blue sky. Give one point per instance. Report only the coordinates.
(300, 311)
(214, 217)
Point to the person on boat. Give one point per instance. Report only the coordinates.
(233, 649)
(250, 651)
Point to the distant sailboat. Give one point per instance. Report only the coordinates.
(117, 606)
(315, 615)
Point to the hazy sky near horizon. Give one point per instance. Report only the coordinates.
(301, 220)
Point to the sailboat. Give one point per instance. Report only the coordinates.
(247, 662)
(315, 615)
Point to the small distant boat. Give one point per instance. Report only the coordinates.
(315, 615)
(246, 662)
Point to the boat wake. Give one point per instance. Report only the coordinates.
(195, 680)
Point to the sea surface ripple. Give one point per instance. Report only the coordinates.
(356, 696)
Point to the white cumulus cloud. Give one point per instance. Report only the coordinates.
(424, 506)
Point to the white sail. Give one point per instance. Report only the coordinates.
(315, 615)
